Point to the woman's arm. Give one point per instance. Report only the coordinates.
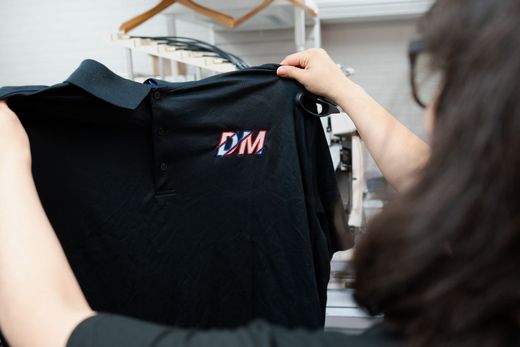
(40, 300)
(398, 152)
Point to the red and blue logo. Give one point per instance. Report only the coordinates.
(241, 143)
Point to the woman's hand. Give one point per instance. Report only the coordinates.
(14, 143)
(316, 71)
(398, 152)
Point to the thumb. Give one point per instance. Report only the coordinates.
(291, 72)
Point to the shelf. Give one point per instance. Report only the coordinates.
(365, 10)
(160, 50)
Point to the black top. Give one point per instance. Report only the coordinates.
(109, 331)
(204, 204)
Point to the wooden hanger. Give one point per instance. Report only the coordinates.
(140, 19)
(217, 16)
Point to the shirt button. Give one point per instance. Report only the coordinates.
(160, 131)
(164, 166)
(156, 95)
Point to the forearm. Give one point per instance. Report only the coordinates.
(397, 151)
(40, 299)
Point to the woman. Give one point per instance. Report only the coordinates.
(440, 262)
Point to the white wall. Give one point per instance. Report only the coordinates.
(378, 52)
(42, 42)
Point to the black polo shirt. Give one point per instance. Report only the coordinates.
(202, 204)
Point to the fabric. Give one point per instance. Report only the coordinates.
(107, 330)
(204, 204)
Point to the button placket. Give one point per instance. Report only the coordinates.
(160, 145)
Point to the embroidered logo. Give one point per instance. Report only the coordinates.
(247, 142)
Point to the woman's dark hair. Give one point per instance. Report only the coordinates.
(442, 262)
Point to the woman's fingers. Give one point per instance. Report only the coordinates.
(291, 72)
(296, 59)
(316, 71)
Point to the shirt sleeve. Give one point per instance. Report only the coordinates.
(104, 330)
(321, 188)
(330, 208)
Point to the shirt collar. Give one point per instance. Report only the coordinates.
(98, 80)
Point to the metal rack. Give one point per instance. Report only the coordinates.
(163, 51)
(280, 14)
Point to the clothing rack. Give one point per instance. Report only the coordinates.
(160, 49)
(215, 15)
(302, 13)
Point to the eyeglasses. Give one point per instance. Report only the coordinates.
(426, 81)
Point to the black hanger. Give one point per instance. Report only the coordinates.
(309, 102)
